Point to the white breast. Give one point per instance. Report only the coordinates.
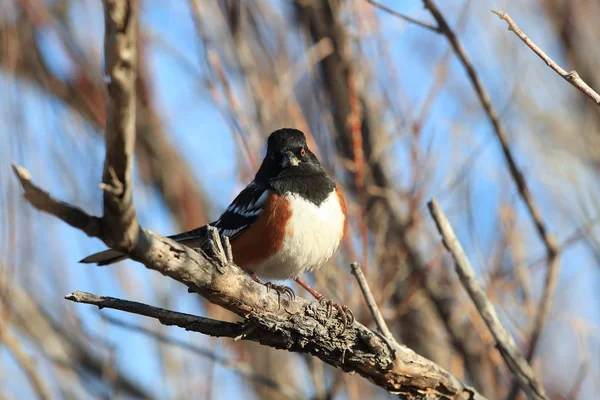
(313, 235)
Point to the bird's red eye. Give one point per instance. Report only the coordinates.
(302, 153)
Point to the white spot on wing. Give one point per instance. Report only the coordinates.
(251, 209)
(232, 232)
(250, 213)
(262, 199)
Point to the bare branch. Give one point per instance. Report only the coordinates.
(504, 341)
(43, 201)
(501, 134)
(364, 287)
(552, 248)
(297, 325)
(189, 322)
(572, 76)
(120, 224)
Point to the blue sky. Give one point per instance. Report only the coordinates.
(455, 130)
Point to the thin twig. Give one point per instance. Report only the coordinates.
(552, 248)
(572, 76)
(404, 17)
(189, 322)
(364, 287)
(504, 341)
(43, 201)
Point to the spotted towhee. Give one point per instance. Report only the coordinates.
(289, 220)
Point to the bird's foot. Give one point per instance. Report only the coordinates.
(279, 289)
(345, 314)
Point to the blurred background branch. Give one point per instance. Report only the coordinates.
(572, 76)
(390, 111)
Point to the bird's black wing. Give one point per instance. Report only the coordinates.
(241, 214)
(243, 210)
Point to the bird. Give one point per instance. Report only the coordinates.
(289, 220)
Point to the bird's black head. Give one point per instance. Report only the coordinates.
(287, 148)
(285, 139)
(290, 167)
(288, 153)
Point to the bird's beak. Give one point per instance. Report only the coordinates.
(289, 159)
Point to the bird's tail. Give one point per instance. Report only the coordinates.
(105, 257)
(193, 238)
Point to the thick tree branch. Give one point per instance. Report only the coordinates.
(504, 341)
(572, 76)
(297, 326)
(120, 224)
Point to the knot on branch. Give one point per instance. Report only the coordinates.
(218, 249)
(572, 76)
(114, 186)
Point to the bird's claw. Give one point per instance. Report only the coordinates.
(328, 304)
(345, 314)
(281, 289)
